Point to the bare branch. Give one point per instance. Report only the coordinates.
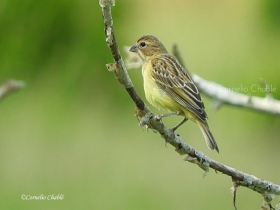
(147, 118)
(10, 86)
(227, 96)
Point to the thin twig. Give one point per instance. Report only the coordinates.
(10, 86)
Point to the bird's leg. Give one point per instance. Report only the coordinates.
(158, 117)
(181, 123)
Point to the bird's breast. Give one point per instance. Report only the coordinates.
(156, 96)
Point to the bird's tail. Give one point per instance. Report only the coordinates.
(210, 141)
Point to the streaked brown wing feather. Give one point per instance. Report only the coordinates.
(176, 82)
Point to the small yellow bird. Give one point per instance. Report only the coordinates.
(168, 86)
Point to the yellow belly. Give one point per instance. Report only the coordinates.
(158, 97)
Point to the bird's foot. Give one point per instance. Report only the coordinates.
(181, 123)
(160, 116)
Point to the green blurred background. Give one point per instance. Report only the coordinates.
(71, 130)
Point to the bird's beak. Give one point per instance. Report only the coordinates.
(134, 48)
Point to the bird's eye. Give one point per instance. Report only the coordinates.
(143, 44)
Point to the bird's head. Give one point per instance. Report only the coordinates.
(148, 46)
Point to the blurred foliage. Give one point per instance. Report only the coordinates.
(62, 41)
(272, 13)
(72, 131)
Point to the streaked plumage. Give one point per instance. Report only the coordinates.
(168, 86)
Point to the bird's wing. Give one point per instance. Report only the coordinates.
(176, 82)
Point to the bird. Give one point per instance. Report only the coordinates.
(168, 86)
